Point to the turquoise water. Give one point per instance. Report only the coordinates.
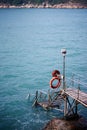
(30, 48)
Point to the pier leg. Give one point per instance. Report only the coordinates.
(76, 108)
(65, 106)
(36, 99)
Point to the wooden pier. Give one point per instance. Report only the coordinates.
(78, 95)
(70, 96)
(55, 99)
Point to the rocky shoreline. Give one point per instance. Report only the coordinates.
(61, 124)
(46, 5)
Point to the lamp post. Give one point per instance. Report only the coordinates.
(63, 51)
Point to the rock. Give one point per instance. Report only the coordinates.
(61, 124)
(45, 5)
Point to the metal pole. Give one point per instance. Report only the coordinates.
(63, 53)
(64, 85)
(64, 72)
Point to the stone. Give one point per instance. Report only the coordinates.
(62, 124)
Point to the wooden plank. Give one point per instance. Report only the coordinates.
(47, 105)
(44, 104)
(78, 95)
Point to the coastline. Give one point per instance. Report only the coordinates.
(46, 5)
(79, 123)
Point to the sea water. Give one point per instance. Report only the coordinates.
(30, 49)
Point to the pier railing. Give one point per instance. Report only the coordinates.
(77, 81)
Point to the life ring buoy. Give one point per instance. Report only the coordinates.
(57, 85)
(55, 73)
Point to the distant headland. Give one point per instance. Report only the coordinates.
(46, 4)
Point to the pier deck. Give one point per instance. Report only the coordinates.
(78, 95)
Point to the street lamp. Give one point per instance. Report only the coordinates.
(63, 51)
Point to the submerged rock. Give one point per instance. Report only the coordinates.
(61, 124)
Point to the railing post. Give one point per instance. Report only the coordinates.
(72, 80)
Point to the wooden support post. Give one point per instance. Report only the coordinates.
(76, 108)
(65, 106)
(36, 95)
(29, 96)
(70, 105)
(36, 99)
(49, 97)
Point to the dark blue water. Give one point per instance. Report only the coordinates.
(30, 48)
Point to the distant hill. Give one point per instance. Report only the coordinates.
(39, 2)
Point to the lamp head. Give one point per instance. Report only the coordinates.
(63, 51)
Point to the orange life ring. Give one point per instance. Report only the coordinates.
(55, 73)
(57, 85)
